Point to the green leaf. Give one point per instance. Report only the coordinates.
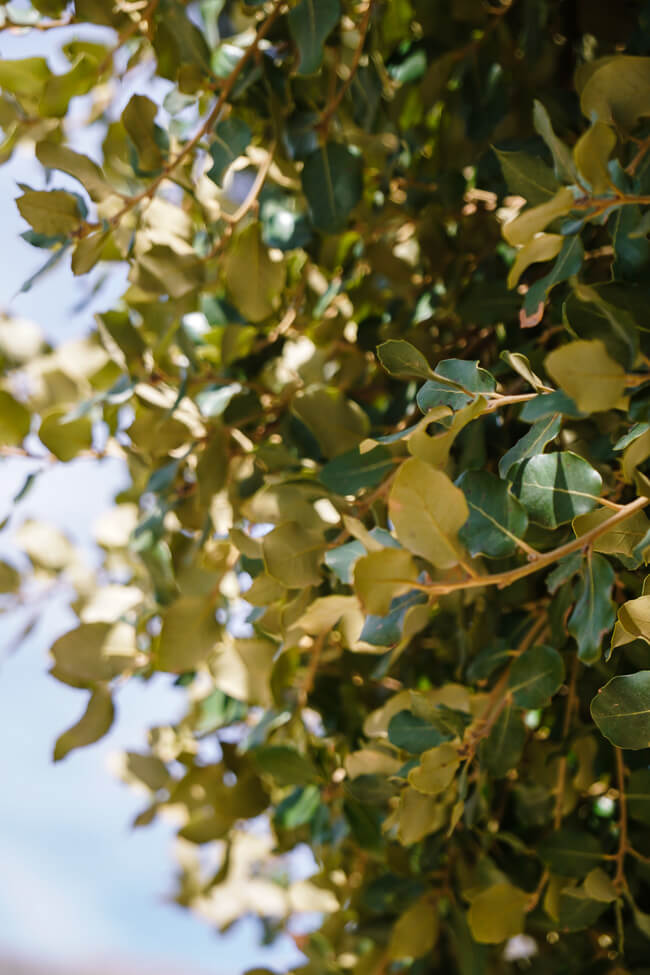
(615, 89)
(231, 139)
(246, 260)
(594, 612)
(535, 677)
(540, 434)
(634, 616)
(543, 247)
(583, 369)
(292, 555)
(570, 853)
(285, 765)
(387, 631)
(567, 264)
(95, 651)
(9, 578)
(349, 473)
(310, 23)
(24, 77)
(65, 438)
(89, 174)
(332, 181)
(87, 252)
(621, 709)
(436, 771)
(554, 488)
(547, 405)
(189, 635)
(471, 379)
(578, 910)
(413, 733)
(341, 559)
(497, 521)
(54, 212)
(338, 423)
(415, 932)
(497, 913)
(427, 511)
(15, 420)
(638, 796)
(562, 159)
(631, 253)
(381, 576)
(502, 749)
(138, 118)
(403, 360)
(93, 725)
(527, 176)
(622, 539)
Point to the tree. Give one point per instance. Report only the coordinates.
(382, 369)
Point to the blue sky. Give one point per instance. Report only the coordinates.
(79, 887)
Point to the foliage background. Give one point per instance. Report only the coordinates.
(340, 211)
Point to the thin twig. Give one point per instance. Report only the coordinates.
(205, 126)
(338, 97)
(254, 191)
(619, 876)
(562, 769)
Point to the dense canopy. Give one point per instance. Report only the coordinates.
(381, 381)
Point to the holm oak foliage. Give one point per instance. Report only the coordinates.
(380, 379)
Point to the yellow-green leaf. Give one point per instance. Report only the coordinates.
(427, 511)
(253, 280)
(380, 576)
(93, 725)
(544, 247)
(189, 634)
(585, 371)
(497, 913)
(53, 213)
(292, 555)
(15, 420)
(436, 770)
(591, 154)
(524, 227)
(415, 931)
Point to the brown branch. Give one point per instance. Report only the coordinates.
(314, 659)
(562, 769)
(338, 97)
(133, 28)
(503, 579)
(619, 876)
(254, 192)
(205, 126)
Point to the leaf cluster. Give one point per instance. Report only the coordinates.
(379, 381)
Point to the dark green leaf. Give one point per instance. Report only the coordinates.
(310, 22)
(497, 522)
(570, 853)
(349, 473)
(554, 488)
(621, 709)
(231, 139)
(594, 612)
(332, 182)
(536, 676)
(540, 434)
